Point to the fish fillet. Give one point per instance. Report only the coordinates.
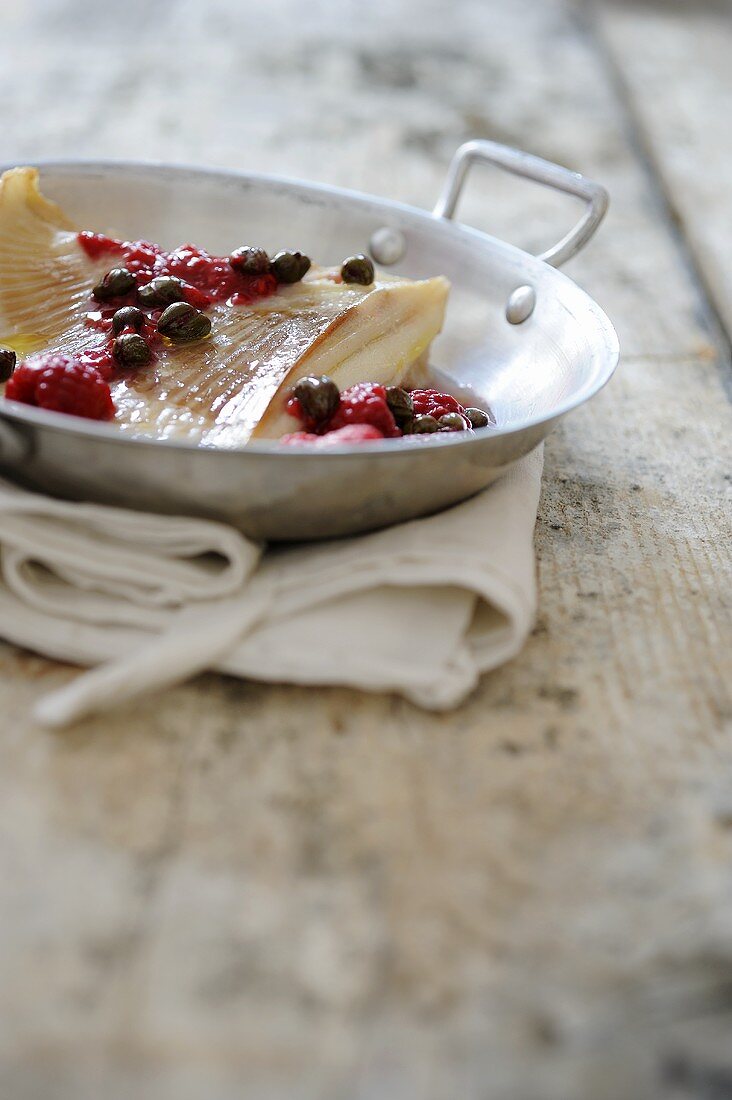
(232, 387)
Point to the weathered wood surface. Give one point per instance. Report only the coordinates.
(235, 889)
(672, 67)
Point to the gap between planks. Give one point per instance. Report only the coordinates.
(589, 23)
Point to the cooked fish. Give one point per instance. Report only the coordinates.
(232, 387)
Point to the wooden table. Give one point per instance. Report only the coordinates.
(236, 890)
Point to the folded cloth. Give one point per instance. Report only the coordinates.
(421, 608)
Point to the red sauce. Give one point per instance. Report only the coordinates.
(207, 278)
(97, 245)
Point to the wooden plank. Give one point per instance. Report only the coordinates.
(318, 893)
(680, 91)
(384, 111)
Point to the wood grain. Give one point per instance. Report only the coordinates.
(678, 93)
(233, 889)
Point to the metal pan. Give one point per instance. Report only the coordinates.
(519, 336)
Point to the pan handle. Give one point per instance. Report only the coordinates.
(528, 167)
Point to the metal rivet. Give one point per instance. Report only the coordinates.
(520, 305)
(387, 246)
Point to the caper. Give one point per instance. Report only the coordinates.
(8, 359)
(424, 424)
(128, 317)
(161, 291)
(358, 269)
(289, 267)
(453, 422)
(319, 397)
(401, 405)
(115, 284)
(183, 324)
(478, 418)
(130, 350)
(250, 261)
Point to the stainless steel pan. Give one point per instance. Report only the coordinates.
(519, 335)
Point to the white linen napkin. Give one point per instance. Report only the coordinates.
(421, 609)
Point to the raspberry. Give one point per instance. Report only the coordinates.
(364, 403)
(197, 298)
(21, 386)
(74, 388)
(352, 433)
(293, 438)
(434, 403)
(63, 384)
(294, 408)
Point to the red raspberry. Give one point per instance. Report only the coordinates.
(364, 403)
(434, 403)
(294, 408)
(293, 438)
(21, 386)
(63, 384)
(74, 388)
(261, 286)
(352, 433)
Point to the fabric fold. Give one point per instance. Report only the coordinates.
(421, 608)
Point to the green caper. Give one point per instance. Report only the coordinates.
(128, 317)
(161, 291)
(8, 359)
(424, 424)
(130, 350)
(358, 269)
(401, 405)
(453, 422)
(478, 418)
(250, 261)
(289, 267)
(183, 324)
(319, 397)
(115, 284)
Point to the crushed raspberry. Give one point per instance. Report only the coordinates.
(97, 244)
(207, 278)
(364, 403)
(63, 384)
(352, 433)
(363, 413)
(295, 409)
(261, 286)
(197, 298)
(143, 258)
(434, 403)
(99, 358)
